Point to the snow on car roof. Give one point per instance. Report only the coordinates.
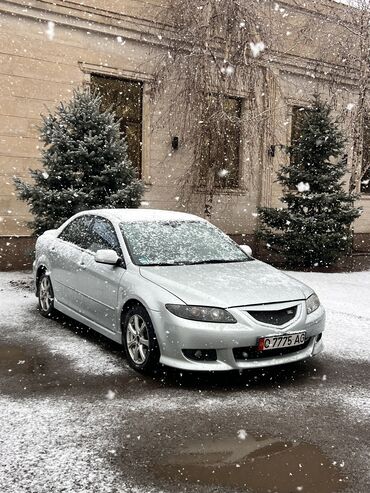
(128, 215)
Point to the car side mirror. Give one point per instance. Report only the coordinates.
(246, 249)
(109, 257)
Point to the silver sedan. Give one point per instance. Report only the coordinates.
(175, 290)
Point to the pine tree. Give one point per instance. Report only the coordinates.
(314, 226)
(85, 164)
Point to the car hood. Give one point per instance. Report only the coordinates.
(227, 285)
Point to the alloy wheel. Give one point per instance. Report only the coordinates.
(137, 339)
(46, 294)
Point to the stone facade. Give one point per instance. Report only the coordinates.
(39, 68)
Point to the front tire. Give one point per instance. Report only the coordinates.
(139, 340)
(46, 296)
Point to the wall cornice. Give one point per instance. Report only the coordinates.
(113, 24)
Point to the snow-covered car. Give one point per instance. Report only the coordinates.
(175, 290)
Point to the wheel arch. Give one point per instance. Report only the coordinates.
(41, 269)
(127, 305)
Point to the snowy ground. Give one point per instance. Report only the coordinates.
(75, 418)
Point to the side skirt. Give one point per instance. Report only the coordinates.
(114, 336)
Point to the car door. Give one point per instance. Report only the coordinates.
(67, 269)
(100, 282)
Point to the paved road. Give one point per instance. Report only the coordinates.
(75, 418)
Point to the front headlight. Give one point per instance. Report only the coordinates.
(312, 303)
(202, 313)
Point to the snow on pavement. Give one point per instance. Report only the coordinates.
(55, 441)
(18, 306)
(346, 297)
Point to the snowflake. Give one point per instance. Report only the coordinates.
(50, 31)
(110, 395)
(303, 187)
(257, 48)
(242, 434)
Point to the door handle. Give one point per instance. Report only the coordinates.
(82, 265)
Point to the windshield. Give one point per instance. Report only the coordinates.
(179, 243)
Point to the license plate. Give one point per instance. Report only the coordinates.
(283, 341)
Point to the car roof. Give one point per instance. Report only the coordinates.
(129, 215)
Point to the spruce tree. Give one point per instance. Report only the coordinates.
(313, 226)
(85, 164)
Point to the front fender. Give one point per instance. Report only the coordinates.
(151, 296)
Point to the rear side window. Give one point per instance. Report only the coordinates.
(103, 236)
(78, 232)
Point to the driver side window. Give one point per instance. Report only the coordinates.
(78, 231)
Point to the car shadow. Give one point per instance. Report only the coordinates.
(292, 374)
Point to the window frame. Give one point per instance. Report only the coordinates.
(366, 155)
(238, 187)
(107, 221)
(129, 122)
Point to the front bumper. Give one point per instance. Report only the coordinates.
(176, 334)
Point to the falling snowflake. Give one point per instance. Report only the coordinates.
(303, 187)
(350, 106)
(257, 48)
(228, 70)
(222, 173)
(110, 395)
(50, 31)
(242, 434)
(45, 175)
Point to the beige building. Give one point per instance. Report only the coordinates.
(49, 48)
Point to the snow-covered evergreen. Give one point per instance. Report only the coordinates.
(313, 227)
(85, 164)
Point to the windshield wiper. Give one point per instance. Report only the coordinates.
(211, 261)
(217, 261)
(163, 264)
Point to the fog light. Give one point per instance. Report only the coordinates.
(200, 354)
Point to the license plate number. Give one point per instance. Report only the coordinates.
(283, 341)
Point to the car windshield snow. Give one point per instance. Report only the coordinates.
(179, 243)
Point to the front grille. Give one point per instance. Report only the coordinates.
(274, 317)
(251, 352)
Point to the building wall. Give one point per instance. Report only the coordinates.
(36, 72)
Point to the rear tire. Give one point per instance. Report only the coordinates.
(46, 296)
(139, 340)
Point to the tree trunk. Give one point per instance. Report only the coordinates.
(359, 122)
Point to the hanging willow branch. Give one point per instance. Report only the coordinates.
(216, 51)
